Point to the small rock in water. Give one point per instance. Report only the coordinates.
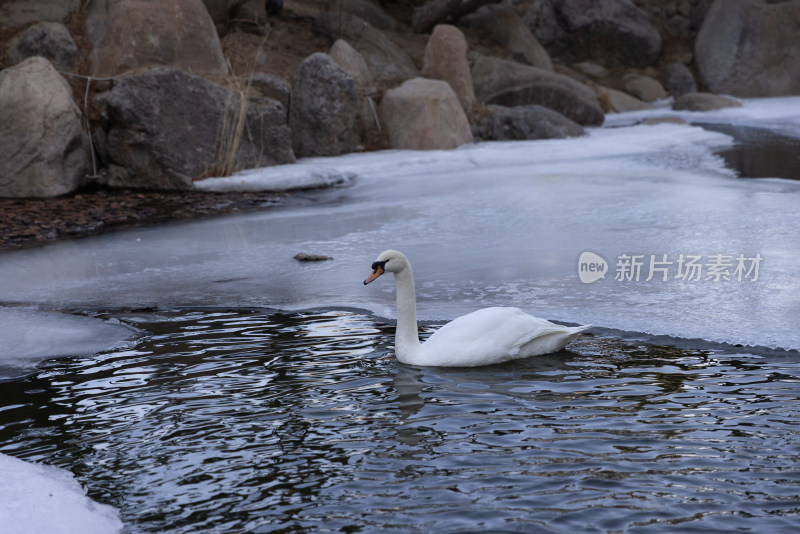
(302, 256)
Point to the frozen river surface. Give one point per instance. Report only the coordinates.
(690, 250)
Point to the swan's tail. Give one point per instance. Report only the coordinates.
(552, 341)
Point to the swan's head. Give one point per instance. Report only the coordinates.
(388, 261)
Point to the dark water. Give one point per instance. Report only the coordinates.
(252, 421)
(760, 153)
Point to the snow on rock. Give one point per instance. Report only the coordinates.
(40, 499)
(282, 178)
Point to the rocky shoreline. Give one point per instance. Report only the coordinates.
(135, 101)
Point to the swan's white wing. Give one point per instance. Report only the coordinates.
(493, 335)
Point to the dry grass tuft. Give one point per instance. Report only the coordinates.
(233, 127)
(234, 119)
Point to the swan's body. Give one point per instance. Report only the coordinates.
(483, 337)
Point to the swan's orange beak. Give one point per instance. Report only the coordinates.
(377, 271)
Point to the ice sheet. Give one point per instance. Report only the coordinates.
(487, 224)
(781, 115)
(28, 335)
(38, 499)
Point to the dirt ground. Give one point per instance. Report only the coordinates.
(30, 222)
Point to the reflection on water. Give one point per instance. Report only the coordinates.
(234, 421)
(760, 153)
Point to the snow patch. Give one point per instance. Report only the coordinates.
(40, 499)
(777, 114)
(282, 178)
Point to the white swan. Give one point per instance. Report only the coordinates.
(483, 337)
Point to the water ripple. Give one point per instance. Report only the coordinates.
(234, 421)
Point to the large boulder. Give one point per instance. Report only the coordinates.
(510, 84)
(423, 114)
(353, 64)
(44, 148)
(502, 23)
(323, 109)
(529, 122)
(367, 124)
(367, 11)
(51, 40)
(15, 13)
(613, 32)
(749, 48)
(134, 34)
(168, 127)
(446, 59)
(387, 61)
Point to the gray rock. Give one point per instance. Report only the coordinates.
(15, 13)
(323, 109)
(679, 26)
(423, 114)
(304, 256)
(446, 59)
(368, 12)
(388, 62)
(749, 48)
(368, 127)
(272, 87)
(613, 32)
(133, 34)
(680, 80)
(43, 145)
(703, 102)
(51, 40)
(433, 12)
(614, 101)
(644, 88)
(529, 122)
(542, 21)
(502, 23)
(590, 69)
(353, 63)
(168, 127)
(510, 84)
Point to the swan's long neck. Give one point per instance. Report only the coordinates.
(406, 340)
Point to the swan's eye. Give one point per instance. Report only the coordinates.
(379, 265)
